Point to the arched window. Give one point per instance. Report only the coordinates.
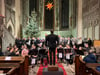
(33, 6)
(48, 15)
(64, 14)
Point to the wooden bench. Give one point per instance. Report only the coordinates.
(92, 68)
(9, 71)
(79, 66)
(23, 61)
(10, 68)
(82, 68)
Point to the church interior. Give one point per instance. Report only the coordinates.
(25, 25)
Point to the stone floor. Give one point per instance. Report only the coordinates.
(70, 69)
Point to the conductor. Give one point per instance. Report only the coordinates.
(52, 41)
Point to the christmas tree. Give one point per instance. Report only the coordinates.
(32, 29)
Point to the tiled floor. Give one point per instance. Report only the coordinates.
(70, 69)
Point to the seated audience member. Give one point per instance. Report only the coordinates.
(74, 42)
(80, 48)
(7, 52)
(37, 43)
(25, 51)
(1, 53)
(33, 54)
(85, 41)
(79, 42)
(85, 53)
(90, 43)
(16, 50)
(12, 53)
(28, 43)
(10, 45)
(87, 48)
(69, 42)
(80, 51)
(91, 57)
(22, 47)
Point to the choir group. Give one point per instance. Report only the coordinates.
(66, 50)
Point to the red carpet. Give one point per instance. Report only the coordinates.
(60, 65)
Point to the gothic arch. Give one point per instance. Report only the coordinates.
(10, 27)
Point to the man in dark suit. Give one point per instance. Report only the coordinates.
(52, 41)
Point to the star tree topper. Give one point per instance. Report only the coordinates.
(49, 5)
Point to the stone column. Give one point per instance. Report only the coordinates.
(3, 9)
(17, 17)
(79, 19)
(43, 1)
(71, 15)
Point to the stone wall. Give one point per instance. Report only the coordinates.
(0, 5)
(91, 17)
(7, 39)
(25, 16)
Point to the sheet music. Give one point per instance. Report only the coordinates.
(33, 61)
(60, 55)
(68, 56)
(7, 58)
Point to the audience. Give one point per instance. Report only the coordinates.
(31, 47)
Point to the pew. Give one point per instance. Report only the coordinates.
(92, 68)
(12, 71)
(23, 61)
(9, 71)
(10, 68)
(82, 68)
(16, 68)
(79, 66)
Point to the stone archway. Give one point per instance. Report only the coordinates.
(10, 29)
